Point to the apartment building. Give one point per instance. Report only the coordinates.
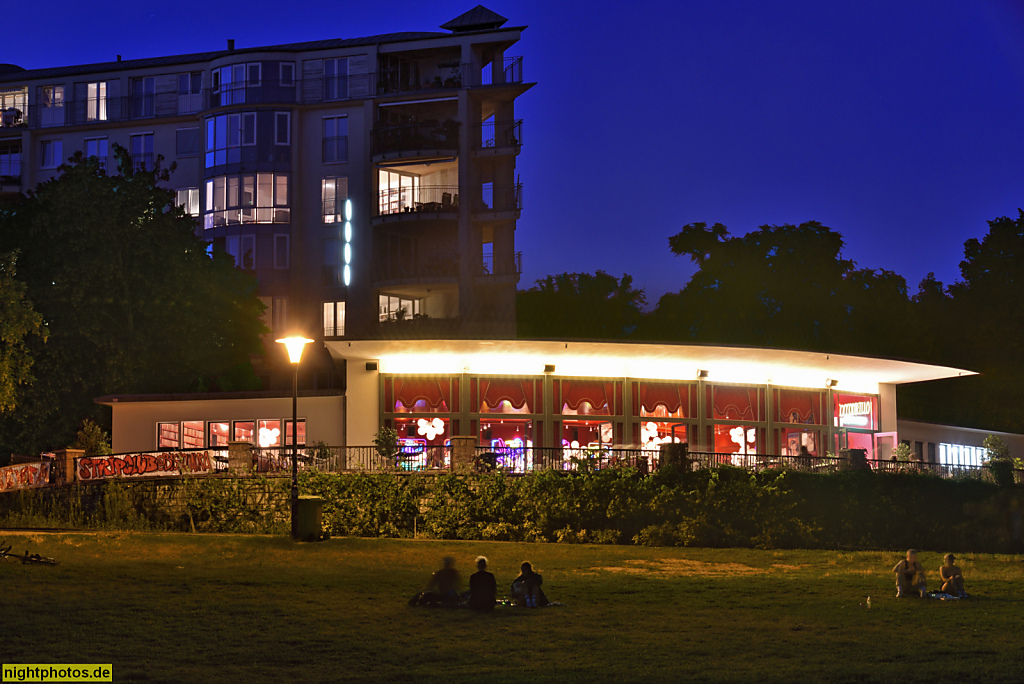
(370, 183)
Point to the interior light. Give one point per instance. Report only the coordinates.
(348, 253)
(348, 210)
(347, 275)
(348, 231)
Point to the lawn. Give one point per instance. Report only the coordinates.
(221, 608)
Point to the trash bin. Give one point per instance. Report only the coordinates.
(309, 518)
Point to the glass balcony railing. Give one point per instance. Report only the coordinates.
(429, 135)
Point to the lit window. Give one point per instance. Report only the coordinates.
(335, 139)
(52, 110)
(188, 199)
(248, 198)
(334, 319)
(168, 436)
(333, 193)
(96, 101)
(397, 308)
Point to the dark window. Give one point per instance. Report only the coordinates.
(188, 142)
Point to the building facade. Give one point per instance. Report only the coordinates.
(369, 183)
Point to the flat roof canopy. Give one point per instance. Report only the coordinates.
(744, 365)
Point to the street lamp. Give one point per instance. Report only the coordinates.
(295, 345)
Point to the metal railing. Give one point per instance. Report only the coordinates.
(413, 267)
(434, 135)
(419, 199)
(10, 170)
(499, 134)
(502, 267)
(13, 117)
(499, 198)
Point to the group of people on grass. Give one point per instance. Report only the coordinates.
(443, 588)
(910, 579)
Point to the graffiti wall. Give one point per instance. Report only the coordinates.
(144, 465)
(24, 476)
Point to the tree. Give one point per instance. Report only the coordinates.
(135, 301)
(782, 286)
(18, 323)
(581, 306)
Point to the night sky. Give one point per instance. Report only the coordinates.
(898, 124)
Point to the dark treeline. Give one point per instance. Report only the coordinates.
(790, 287)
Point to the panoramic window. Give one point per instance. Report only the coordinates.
(230, 82)
(246, 198)
(397, 308)
(226, 134)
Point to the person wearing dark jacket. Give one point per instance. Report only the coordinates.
(482, 587)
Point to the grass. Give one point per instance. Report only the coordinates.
(219, 608)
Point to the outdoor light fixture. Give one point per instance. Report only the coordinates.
(831, 383)
(295, 344)
(346, 273)
(549, 368)
(702, 374)
(371, 365)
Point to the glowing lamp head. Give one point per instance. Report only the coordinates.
(294, 345)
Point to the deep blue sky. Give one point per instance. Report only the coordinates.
(898, 124)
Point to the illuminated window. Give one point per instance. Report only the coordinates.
(244, 431)
(188, 199)
(397, 308)
(334, 319)
(219, 434)
(96, 101)
(51, 111)
(192, 434)
(246, 198)
(168, 436)
(268, 433)
(333, 193)
(288, 433)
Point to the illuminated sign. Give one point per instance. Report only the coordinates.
(855, 414)
(347, 272)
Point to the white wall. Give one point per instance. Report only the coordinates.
(363, 405)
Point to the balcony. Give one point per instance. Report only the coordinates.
(499, 138)
(497, 267)
(498, 199)
(408, 140)
(413, 268)
(431, 74)
(421, 201)
(13, 117)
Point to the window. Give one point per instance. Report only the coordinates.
(190, 92)
(332, 263)
(246, 198)
(52, 110)
(96, 101)
(336, 78)
(335, 139)
(279, 316)
(143, 97)
(230, 82)
(10, 159)
(280, 251)
(288, 432)
(188, 199)
(97, 147)
(168, 436)
(333, 193)
(282, 128)
(187, 142)
(334, 319)
(243, 249)
(397, 308)
(51, 153)
(226, 134)
(13, 106)
(287, 73)
(219, 433)
(142, 150)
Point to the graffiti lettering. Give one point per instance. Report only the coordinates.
(24, 476)
(144, 465)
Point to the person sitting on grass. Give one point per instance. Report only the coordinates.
(910, 580)
(952, 578)
(443, 587)
(526, 589)
(482, 587)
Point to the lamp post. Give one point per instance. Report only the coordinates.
(295, 345)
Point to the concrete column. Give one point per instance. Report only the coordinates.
(64, 463)
(463, 453)
(240, 458)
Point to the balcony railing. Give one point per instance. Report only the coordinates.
(429, 135)
(499, 199)
(10, 170)
(508, 266)
(497, 135)
(413, 267)
(419, 199)
(302, 91)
